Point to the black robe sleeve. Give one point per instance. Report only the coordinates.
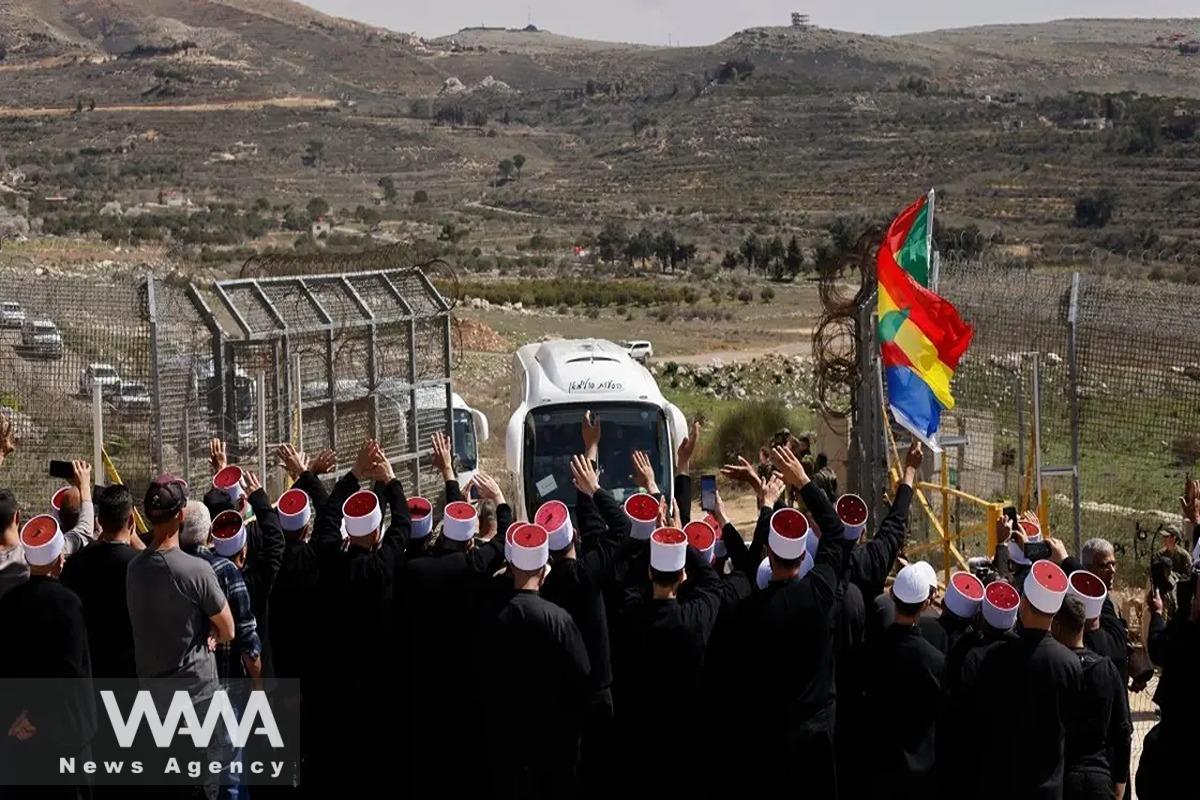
(829, 564)
(504, 518)
(701, 606)
(739, 554)
(758, 545)
(327, 533)
(613, 514)
(1157, 639)
(312, 486)
(1120, 728)
(454, 492)
(871, 563)
(683, 497)
(587, 517)
(269, 557)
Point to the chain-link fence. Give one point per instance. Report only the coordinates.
(321, 361)
(59, 339)
(1106, 366)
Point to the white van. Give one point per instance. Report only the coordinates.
(554, 384)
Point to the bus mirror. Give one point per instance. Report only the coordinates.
(481, 425)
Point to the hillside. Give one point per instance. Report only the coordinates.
(771, 130)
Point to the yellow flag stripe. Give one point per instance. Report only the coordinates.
(921, 353)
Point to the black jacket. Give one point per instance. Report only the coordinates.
(264, 557)
(296, 600)
(1098, 740)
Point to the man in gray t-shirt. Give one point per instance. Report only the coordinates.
(174, 600)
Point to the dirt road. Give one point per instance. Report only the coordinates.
(231, 105)
(798, 343)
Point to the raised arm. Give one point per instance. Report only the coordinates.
(306, 472)
(871, 563)
(829, 564)
(269, 557)
(327, 533)
(702, 604)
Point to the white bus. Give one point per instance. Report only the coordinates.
(554, 384)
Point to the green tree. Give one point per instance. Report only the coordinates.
(1095, 210)
(519, 162)
(314, 149)
(685, 252)
(317, 208)
(507, 168)
(611, 241)
(844, 234)
(793, 259)
(639, 247)
(420, 196)
(749, 250)
(389, 189)
(730, 261)
(368, 215)
(664, 250)
(775, 255)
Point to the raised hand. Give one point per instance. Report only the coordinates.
(591, 434)
(912, 462)
(381, 467)
(217, 457)
(8, 439)
(772, 491)
(443, 458)
(1058, 550)
(789, 466)
(82, 479)
(1190, 502)
(719, 511)
(744, 472)
(292, 460)
(643, 472)
(364, 461)
(1154, 601)
(584, 476)
(683, 454)
(250, 482)
(488, 488)
(322, 462)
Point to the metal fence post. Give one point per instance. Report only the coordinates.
(414, 428)
(98, 435)
(155, 389)
(260, 383)
(1037, 429)
(1073, 380)
(187, 446)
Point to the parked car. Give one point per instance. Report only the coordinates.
(11, 315)
(131, 397)
(639, 350)
(41, 339)
(104, 374)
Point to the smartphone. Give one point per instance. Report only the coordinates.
(1037, 551)
(474, 492)
(1011, 513)
(708, 492)
(62, 469)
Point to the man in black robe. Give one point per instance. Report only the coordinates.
(536, 663)
(1098, 738)
(1041, 682)
(357, 581)
(902, 691)
(790, 638)
(47, 710)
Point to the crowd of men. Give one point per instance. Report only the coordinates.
(611, 649)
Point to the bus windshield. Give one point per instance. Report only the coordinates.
(554, 434)
(466, 455)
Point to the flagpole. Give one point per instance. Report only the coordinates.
(934, 262)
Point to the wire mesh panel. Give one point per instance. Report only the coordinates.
(59, 338)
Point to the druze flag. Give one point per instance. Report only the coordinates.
(921, 335)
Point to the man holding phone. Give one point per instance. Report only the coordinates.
(76, 514)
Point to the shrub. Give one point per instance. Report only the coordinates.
(767, 294)
(747, 427)
(420, 196)
(745, 295)
(715, 295)
(1095, 210)
(593, 313)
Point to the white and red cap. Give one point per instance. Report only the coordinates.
(642, 510)
(668, 549)
(813, 541)
(1000, 602)
(556, 520)
(1046, 586)
(529, 546)
(42, 540)
(852, 511)
(294, 510)
(1032, 530)
(912, 584)
(460, 522)
(964, 594)
(420, 514)
(1088, 589)
(719, 552)
(229, 481)
(228, 533)
(701, 536)
(1033, 533)
(508, 534)
(788, 538)
(361, 514)
(56, 501)
(763, 576)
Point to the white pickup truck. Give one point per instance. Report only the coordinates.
(554, 384)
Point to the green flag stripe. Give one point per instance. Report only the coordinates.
(914, 254)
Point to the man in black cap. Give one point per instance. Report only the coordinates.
(1097, 749)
